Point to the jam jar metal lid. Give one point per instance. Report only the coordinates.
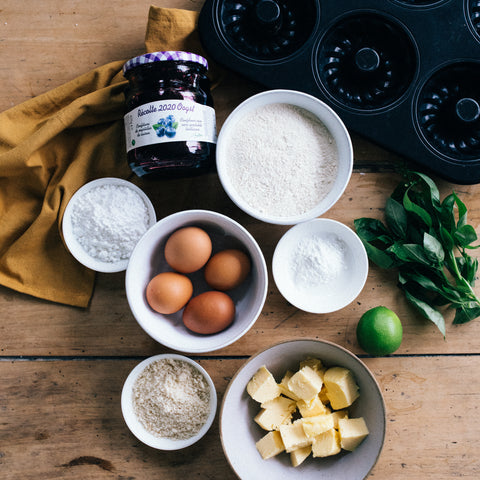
(164, 56)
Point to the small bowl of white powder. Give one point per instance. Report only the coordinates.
(320, 266)
(169, 401)
(284, 157)
(103, 222)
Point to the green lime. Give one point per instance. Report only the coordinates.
(379, 331)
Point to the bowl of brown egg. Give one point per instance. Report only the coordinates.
(196, 281)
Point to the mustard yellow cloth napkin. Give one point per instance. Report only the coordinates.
(53, 144)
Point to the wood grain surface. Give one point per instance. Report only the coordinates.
(62, 368)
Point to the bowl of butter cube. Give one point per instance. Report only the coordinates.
(305, 409)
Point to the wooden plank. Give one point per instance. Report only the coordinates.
(45, 44)
(33, 327)
(432, 413)
(62, 419)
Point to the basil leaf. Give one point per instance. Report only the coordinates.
(446, 238)
(466, 313)
(420, 212)
(410, 253)
(371, 229)
(433, 248)
(427, 311)
(415, 233)
(465, 235)
(447, 217)
(375, 238)
(379, 257)
(434, 193)
(463, 286)
(462, 211)
(422, 282)
(396, 218)
(468, 267)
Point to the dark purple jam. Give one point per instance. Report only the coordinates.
(170, 121)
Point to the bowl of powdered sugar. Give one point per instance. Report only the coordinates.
(103, 222)
(169, 401)
(320, 266)
(284, 157)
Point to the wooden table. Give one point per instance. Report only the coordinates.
(62, 368)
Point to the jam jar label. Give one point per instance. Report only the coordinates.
(169, 121)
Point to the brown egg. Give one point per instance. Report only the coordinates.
(209, 312)
(188, 249)
(227, 269)
(168, 292)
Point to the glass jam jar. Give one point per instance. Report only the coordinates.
(170, 124)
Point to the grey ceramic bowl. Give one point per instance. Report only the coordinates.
(239, 432)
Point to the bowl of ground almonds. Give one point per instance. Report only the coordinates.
(284, 157)
(306, 409)
(169, 401)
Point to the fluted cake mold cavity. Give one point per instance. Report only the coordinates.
(404, 74)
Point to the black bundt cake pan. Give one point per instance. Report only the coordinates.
(402, 73)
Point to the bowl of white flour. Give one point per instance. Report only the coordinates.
(103, 222)
(284, 157)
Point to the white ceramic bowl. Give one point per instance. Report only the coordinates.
(324, 113)
(330, 289)
(147, 260)
(239, 432)
(137, 428)
(71, 241)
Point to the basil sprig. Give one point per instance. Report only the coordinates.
(427, 241)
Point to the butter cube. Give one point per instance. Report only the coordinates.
(299, 455)
(342, 390)
(263, 387)
(337, 415)
(312, 408)
(275, 412)
(306, 383)
(313, 426)
(326, 444)
(270, 445)
(323, 394)
(293, 436)
(284, 386)
(352, 432)
(315, 364)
